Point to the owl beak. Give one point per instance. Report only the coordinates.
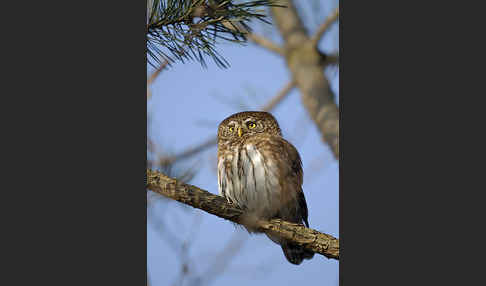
(240, 132)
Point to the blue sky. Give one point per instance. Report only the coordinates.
(188, 102)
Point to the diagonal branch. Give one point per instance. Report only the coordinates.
(311, 239)
(265, 43)
(189, 152)
(279, 97)
(156, 73)
(325, 26)
(153, 76)
(212, 141)
(306, 64)
(257, 39)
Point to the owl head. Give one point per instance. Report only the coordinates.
(248, 123)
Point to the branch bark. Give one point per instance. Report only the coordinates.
(318, 242)
(307, 67)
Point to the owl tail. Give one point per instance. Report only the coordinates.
(295, 254)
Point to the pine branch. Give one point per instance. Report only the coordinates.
(189, 29)
(311, 239)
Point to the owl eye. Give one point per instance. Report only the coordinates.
(231, 129)
(251, 125)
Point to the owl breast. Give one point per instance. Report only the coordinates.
(246, 179)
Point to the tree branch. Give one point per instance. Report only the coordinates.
(279, 97)
(212, 141)
(156, 73)
(265, 43)
(324, 27)
(257, 39)
(331, 59)
(307, 67)
(188, 29)
(189, 152)
(153, 76)
(318, 242)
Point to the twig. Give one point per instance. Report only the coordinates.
(222, 259)
(257, 39)
(156, 73)
(212, 141)
(324, 27)
(313, 240)
(265, 43)
(278, 98)
(189, 152)
(332, 59)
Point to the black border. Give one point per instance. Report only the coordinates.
(77, 214)
(401, 190)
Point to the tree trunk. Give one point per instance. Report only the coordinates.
(307, 65)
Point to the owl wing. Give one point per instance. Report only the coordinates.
(285, 157)
(294, 160)
(298, 173)
(282, 162)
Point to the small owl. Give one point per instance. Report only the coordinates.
(260, 172)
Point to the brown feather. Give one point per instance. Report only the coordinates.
(261, 172)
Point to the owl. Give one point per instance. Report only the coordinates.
(261, 172)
